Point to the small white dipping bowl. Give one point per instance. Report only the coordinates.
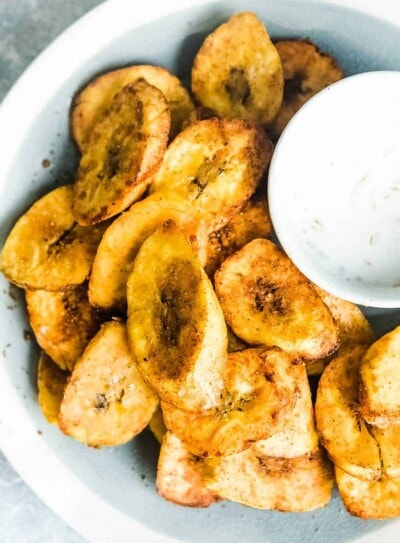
(334, 189)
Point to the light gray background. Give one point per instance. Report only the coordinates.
(26, 28)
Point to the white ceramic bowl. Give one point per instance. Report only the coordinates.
(334, 189)
(108, 495)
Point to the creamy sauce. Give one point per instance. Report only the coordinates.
(337, 175)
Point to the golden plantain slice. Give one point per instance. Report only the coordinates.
(281, 484)
(47, 249)
(388, 440)
(380, 381)
(180, 475)
(176, 327)
(342, 431)
(51, 381)
(238, 72)
(215, 165)
(157, 426)
(121, 242)
(252, 221)
(261, 387)
(125, 146)
(301, 436)
(278, 305)
(106, 401)
(63, 323)
(369, 499)
(353, 328)
(306, 71)
(91, 103)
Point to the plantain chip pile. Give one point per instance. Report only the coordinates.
(158, 298)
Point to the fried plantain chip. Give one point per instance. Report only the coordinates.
(369, 499)
(388, 440)
(63, 323)
(306, 71)
(261, 387)
(121, 242)
(47, 249)
(157, 426)
(353, 328)
(125, 146)
(252, 221)
(51, 382)
(215, 165)
(176, 327)
(91, 103)
(281, 484)
(342, 430)
(179, 475)
(106, 401)
(278, 305)
(238, 72)
(380, 381)
(301, 436)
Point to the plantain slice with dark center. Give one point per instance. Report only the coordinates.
(176, 328)
(279, 306)
(238, 72)
(63, 322)
(124, 148)
(215, 165)
(47, 249)
(260, 392)
(91, 102)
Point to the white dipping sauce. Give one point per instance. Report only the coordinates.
(334, 189)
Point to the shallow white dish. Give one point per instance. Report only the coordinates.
(109, 495)
(334, 189)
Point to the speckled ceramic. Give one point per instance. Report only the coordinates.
(109, 495)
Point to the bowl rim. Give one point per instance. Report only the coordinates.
(19, 438)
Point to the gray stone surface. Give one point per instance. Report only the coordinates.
(26, 28)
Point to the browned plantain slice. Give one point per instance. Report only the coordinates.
(157, 426)
(215, 165)
(91, 103)
(281, 484)
(47, 249)
(306, 71)
(124, 148)
(238, 72)
(301, 436)
(63, 323)
(380, 381)
(250, 222)
(121, 242)
(343, 432)
(180, 475)
(261, 386)
(278, 305)
(176, 327)
(369, 499)
(51, 381)
(106, 401)
(388, 440)
(353, 328)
